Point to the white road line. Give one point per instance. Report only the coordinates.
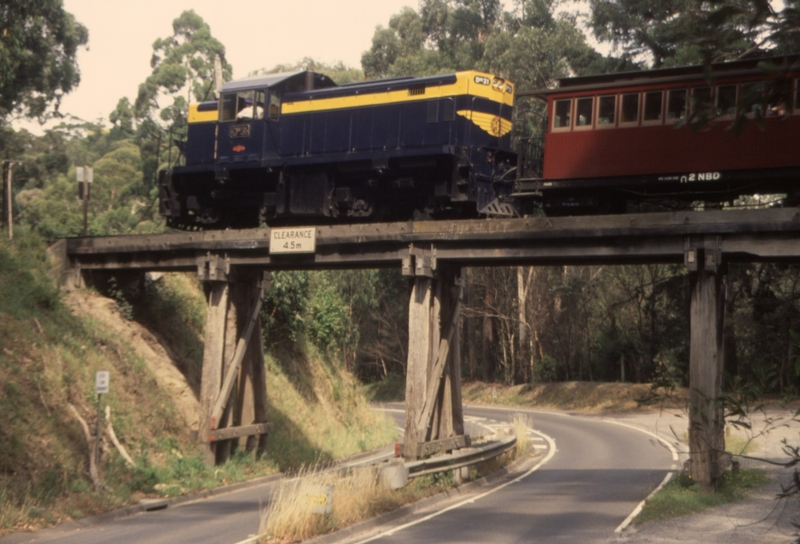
(549, 456)
(624, 525)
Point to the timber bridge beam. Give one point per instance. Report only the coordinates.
(235, 265)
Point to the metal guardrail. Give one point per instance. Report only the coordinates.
(463, 458)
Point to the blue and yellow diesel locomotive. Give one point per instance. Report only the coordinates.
(292, 148)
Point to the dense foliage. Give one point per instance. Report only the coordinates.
(39, 42)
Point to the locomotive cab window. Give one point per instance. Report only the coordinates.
(726, 99)
(229, 106)
(562, 114)
(653, 107)
(242, 105)
(583, 112)
(274, 104)
(676, 105)
(629, 110)
(606, 111)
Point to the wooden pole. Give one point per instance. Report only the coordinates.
(98, 432)
(233, 392)
(433, 374)
(8, 203)
(418, 357)
(706, 356)
(85, 200)
(259, 378)
(212, 365)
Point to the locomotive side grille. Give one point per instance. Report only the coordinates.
(448, 109)
(416, 90)
(433, 111)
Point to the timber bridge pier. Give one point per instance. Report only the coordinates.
(236, 265)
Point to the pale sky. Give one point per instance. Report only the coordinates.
(256, 34)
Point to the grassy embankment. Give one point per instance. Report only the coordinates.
(49, 358)
(681, 496)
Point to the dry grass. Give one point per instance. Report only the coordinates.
(357, 495)
(520, 423)
(591, 397)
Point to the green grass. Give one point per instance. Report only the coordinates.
(738, 446)
(681, 496)
(390, 389)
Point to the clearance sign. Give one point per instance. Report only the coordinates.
(293, 240)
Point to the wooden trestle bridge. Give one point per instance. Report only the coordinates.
(236, 264)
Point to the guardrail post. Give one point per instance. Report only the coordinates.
(706, 356)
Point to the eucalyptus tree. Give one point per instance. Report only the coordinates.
(39, 42)
(667, 33)
(183, 69)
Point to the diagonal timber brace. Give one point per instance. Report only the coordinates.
(233, 369)
(233, 394)
(434, 415)
(424, 421)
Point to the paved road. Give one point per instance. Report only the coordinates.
(597, 476)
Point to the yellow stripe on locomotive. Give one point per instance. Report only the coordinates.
(197, 116)
(471, 83)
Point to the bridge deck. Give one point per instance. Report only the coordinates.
(743, 235)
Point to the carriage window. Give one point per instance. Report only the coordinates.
(629, 113)
(797, 95)
(779, 94)
(606, 109)
(562, 114)
(583, 112)
(653, 106)
(701, 100)
(726, 99)
(676, 104)
(750, 99)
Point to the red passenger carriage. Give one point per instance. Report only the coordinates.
(635, 136)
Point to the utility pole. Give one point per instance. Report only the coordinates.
(8, 204)
(84, 175)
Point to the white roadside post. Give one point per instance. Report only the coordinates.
(101, 382)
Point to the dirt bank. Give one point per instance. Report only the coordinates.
(90, 305)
